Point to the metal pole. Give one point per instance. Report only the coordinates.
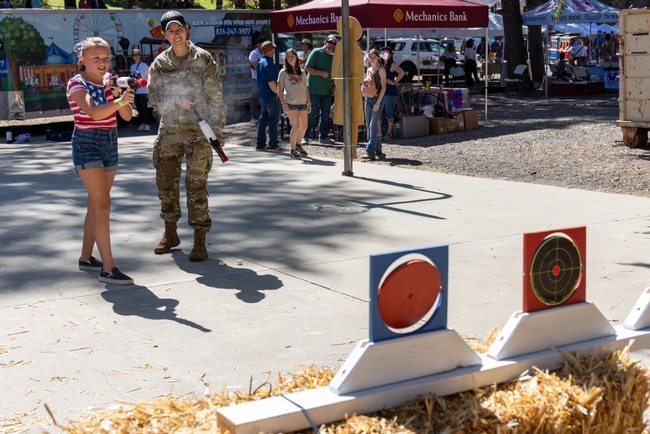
(486, 57)
(546, 59)
(417, 62)
(439, 54)
(347, 102)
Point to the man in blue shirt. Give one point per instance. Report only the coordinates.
(267, 76)
(600, 40)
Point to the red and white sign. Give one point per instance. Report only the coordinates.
(322, 15)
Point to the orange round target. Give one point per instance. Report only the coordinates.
(408, 293)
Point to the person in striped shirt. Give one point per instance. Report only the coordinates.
(94, 103)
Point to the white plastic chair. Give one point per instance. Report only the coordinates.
(517, 77)
(457, 75)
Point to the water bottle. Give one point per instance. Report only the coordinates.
(10, 137)
(48, 133)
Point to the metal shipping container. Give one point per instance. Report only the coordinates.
(634, 76)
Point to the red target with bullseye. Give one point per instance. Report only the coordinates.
(554, 268)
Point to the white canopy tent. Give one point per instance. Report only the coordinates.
(575, 12)
(491, 3)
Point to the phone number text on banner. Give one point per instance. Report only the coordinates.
(233, 31)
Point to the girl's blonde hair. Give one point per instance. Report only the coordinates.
(295, 68)
(90, 43)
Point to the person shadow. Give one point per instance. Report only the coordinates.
(141, 301)
(249, 284)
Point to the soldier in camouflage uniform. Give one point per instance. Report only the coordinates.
(182, 77)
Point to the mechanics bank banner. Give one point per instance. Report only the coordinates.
(322, 15)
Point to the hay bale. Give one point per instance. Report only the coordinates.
(599, 395)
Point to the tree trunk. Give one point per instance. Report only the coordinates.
(70, 4)
(240, 4)
(514, 50)
(266, 4)
(536, 52)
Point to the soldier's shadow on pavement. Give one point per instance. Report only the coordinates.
(249, 283)
(140, 301)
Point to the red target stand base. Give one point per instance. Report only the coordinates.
(526, 333)
(555, 312)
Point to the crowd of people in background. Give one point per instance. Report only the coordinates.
(303, 90)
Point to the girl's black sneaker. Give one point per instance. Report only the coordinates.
(115, 277)
(91, 264)
(301, 150)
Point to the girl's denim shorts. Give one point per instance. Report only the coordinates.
(94, 148)
(299, 107)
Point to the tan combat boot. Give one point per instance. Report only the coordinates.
(199, 252)
(170, 239)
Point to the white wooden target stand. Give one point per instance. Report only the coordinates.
(411, 352)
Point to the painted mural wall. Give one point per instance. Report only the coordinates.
(37, 47)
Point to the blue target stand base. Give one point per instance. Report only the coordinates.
(405, 343)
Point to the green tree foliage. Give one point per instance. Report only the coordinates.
(23, 44)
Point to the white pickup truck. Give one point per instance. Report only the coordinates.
(405, 54)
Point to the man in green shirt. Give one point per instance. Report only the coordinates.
(319, 82)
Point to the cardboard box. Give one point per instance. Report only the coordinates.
(447, 124)
(426, 126)
(438, 126)
(457, 123)
(471, 119)
(410, 126)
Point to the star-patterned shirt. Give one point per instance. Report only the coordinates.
(100, 94)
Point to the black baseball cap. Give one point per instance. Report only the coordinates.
(171, 17)
(260, 41)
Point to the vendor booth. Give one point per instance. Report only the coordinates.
(323, 15)
(577, 12)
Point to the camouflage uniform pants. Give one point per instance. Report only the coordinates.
(169, 148)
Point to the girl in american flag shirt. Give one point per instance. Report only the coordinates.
(94, 103)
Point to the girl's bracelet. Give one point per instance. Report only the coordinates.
(119, 101)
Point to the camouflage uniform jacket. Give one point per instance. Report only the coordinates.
(196, 79)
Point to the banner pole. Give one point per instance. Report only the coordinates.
(347, 101)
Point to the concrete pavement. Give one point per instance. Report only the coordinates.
(303, 234)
